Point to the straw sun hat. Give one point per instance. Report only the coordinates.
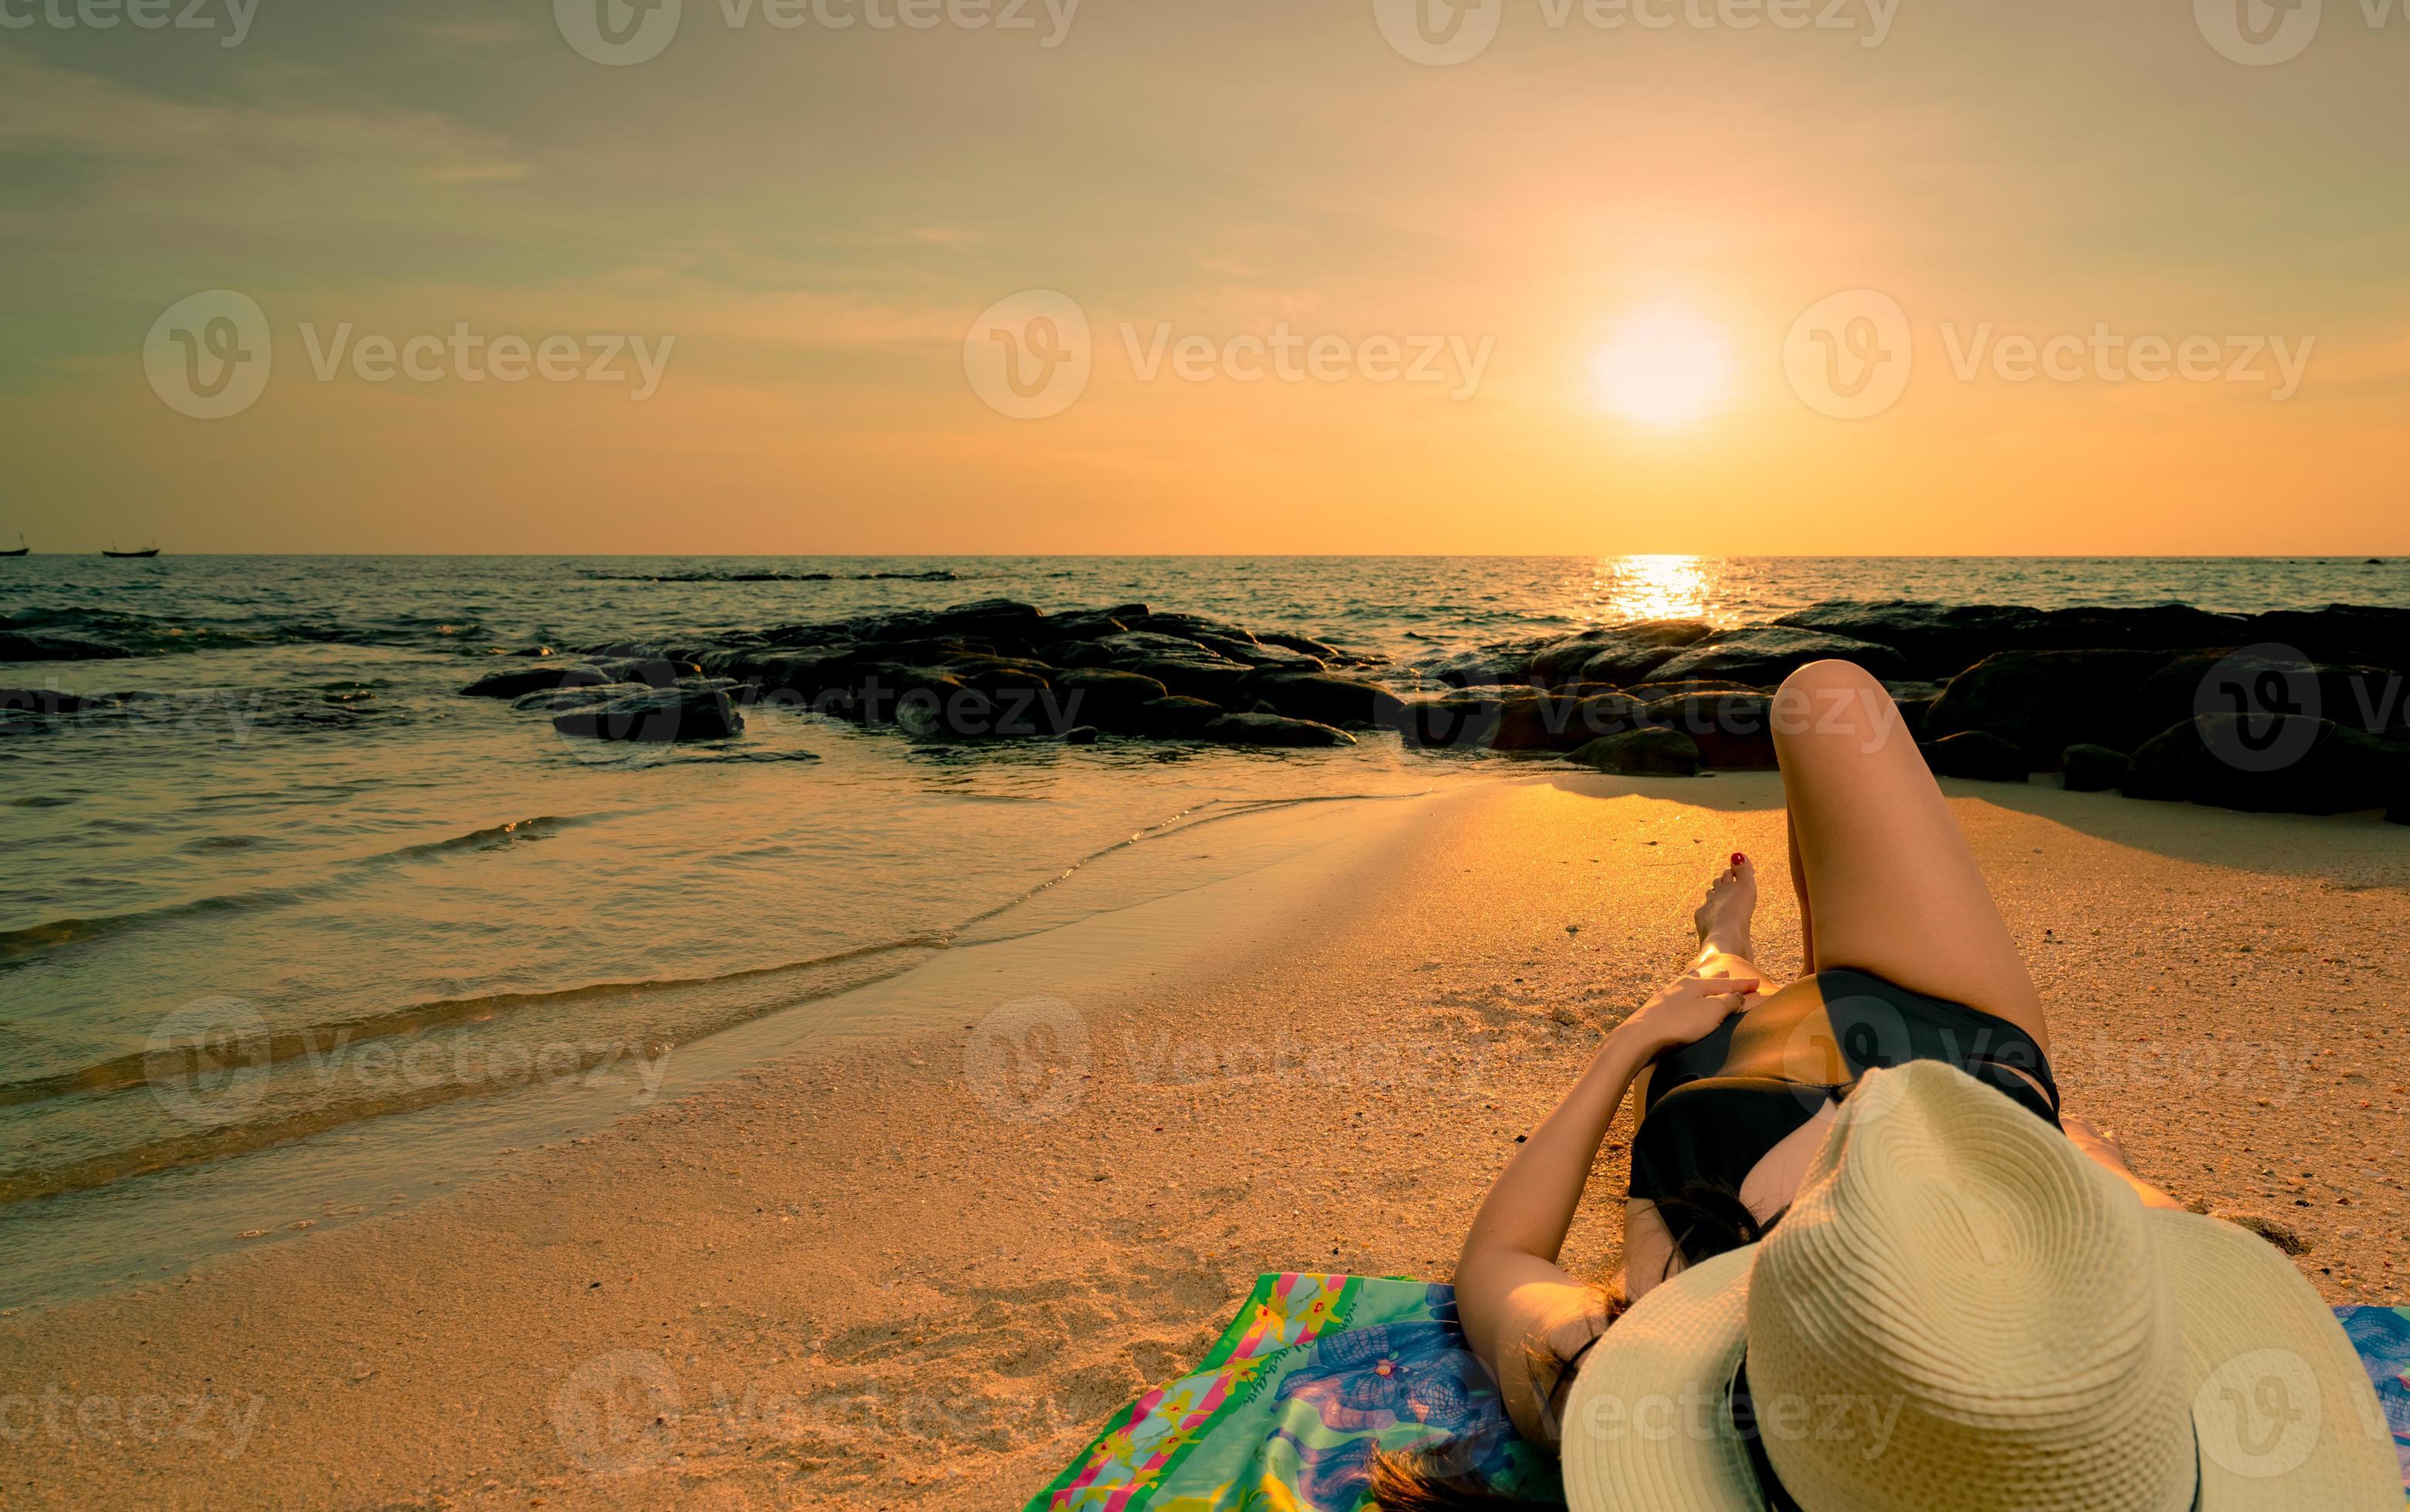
(1960, 1311)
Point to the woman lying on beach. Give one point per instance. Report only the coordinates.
(1869, 1263)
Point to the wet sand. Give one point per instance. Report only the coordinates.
(910, 1270)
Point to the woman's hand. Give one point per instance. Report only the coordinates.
(1688, 1011)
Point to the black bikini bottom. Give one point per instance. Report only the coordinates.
(1715, 1108)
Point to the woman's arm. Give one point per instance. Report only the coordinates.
(2103, 1147)
(1511, 1294)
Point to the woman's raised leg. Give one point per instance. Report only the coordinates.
(1884, 872)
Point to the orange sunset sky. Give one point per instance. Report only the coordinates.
(1624, 223)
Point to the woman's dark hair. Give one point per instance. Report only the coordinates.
(1706, 1220)
(1435, 1481)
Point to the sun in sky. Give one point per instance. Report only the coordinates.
(1661, 366)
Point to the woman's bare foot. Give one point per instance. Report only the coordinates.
(1724, 918)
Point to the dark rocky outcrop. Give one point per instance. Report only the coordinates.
(1978, 754)
(1940, 640)
(1653, 750)
(1107, 697)
(2368, 698)
(1272, 730)
(2284, 763)
(16, 646)
(1621, 656)
(1519, 718)
(1083, 734)
(1176, 718)
(2093, 768)
(2047, 701)
(656, 715)
(1766, 655)
(2026, 688)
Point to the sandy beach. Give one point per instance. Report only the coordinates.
(904, 1269)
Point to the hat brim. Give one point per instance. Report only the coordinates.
(2282, 1408)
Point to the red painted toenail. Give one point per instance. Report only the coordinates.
(1738, 858)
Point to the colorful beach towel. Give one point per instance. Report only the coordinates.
(1318, 1371)
(1314, 1374)
(2382, 1336)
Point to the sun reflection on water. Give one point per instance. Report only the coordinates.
(1656, 587)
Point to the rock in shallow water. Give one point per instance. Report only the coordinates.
(1324, 698)
(1176, 718)
(545, 677)
(1107, 697)
(1272, 730)
(15, 647)
(556, 700)
(657, 717)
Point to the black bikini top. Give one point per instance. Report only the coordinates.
(1716, 1108)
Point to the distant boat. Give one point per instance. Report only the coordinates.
(147, 551)
(21, 547)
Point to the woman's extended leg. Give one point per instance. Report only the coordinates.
(1888, 879)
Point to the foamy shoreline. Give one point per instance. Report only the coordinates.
(886, 1271)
